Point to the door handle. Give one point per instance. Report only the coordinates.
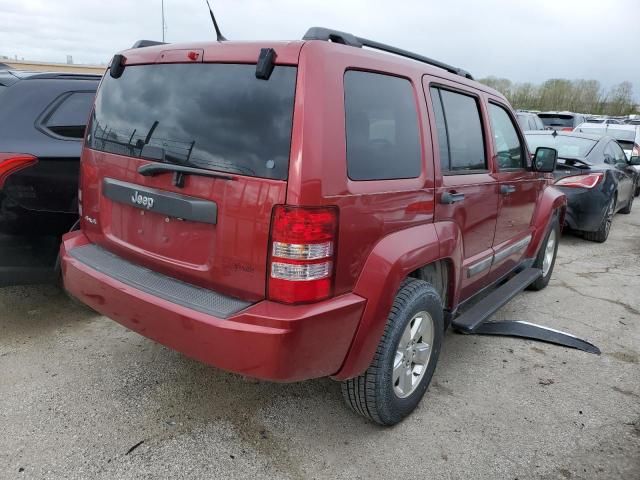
(507, 189)
(448, 198)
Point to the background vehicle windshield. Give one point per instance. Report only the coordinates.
(567, 147)
(212, 116)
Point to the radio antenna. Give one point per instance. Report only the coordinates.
(219, 35)
(164, 24)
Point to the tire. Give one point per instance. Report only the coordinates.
(626, 210)
(547, 269)
(376, 393)
(602, 233)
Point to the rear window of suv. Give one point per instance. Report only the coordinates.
(551, 120)
(211, 116)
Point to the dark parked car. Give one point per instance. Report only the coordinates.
(529, 121)
(627, 136)
(596, 176)
(564, 121)
(42, 123)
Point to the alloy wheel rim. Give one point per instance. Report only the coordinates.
(609, 219)
(549, 252)
(413, 354)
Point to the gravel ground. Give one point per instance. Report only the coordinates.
(81, 397)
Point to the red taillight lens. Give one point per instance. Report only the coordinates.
(302, 251)
(636, 150)
(566, 129)
(12, 162)
(581, 181)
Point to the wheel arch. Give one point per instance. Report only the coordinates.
(552, 203)
(414, 252)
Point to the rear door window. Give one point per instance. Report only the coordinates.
(383, 141)
(465, 150)
(211, 116)
(69, 117)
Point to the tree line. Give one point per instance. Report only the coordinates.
(582, 96)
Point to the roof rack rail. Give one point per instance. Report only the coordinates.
(147, 43)
(328, 35)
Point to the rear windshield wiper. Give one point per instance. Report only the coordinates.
(179, 171)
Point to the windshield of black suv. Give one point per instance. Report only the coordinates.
(567, 147)
(211, 116)
(553, 120)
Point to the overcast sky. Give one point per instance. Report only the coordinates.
(524, 40)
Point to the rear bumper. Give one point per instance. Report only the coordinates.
(585, 208)
(266, 340)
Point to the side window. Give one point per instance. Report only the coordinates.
(383, 140)
(618, 153)
(540, 125)
(69, 118)
(441, 129)
(462, 130)
(609, 154)
(509, 151)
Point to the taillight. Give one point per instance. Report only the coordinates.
(636, 150)
(302, 253)
(566, 129)
(581, 181)
(12, 162)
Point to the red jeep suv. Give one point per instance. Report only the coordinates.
(304, 209)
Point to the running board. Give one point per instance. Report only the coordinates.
(470, 320)
(518, 328)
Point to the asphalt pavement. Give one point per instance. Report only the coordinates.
(82, 397)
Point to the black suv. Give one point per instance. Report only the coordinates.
(42, 122)
(564, 121)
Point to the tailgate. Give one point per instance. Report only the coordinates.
(210, 227)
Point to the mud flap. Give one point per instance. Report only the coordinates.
(518, 328)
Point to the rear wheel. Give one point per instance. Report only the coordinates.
(602, 233)
(546, 258)
(405, 360)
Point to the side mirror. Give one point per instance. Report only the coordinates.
(545, 159)
(635, 161)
